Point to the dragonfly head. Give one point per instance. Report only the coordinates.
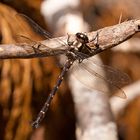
(82, 38)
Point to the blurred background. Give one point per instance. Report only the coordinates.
(25, 83)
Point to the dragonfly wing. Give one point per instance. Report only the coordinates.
(34, 25)
(94, 77)
(38, 29)
(113, 75)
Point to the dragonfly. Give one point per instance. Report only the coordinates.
(79, 50)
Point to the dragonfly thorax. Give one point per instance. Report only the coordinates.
(78, 48)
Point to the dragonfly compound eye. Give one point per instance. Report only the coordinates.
(82, 37)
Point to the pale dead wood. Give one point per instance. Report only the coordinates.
(127, 46)
(118, 105)
(108, 37)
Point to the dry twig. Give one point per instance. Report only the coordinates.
(108, 38)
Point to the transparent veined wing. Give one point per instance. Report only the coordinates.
(38, 29)
(95, 75)
(34, 25)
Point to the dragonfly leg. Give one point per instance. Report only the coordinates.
(36, 47)
(96, 45)
(70, 43)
